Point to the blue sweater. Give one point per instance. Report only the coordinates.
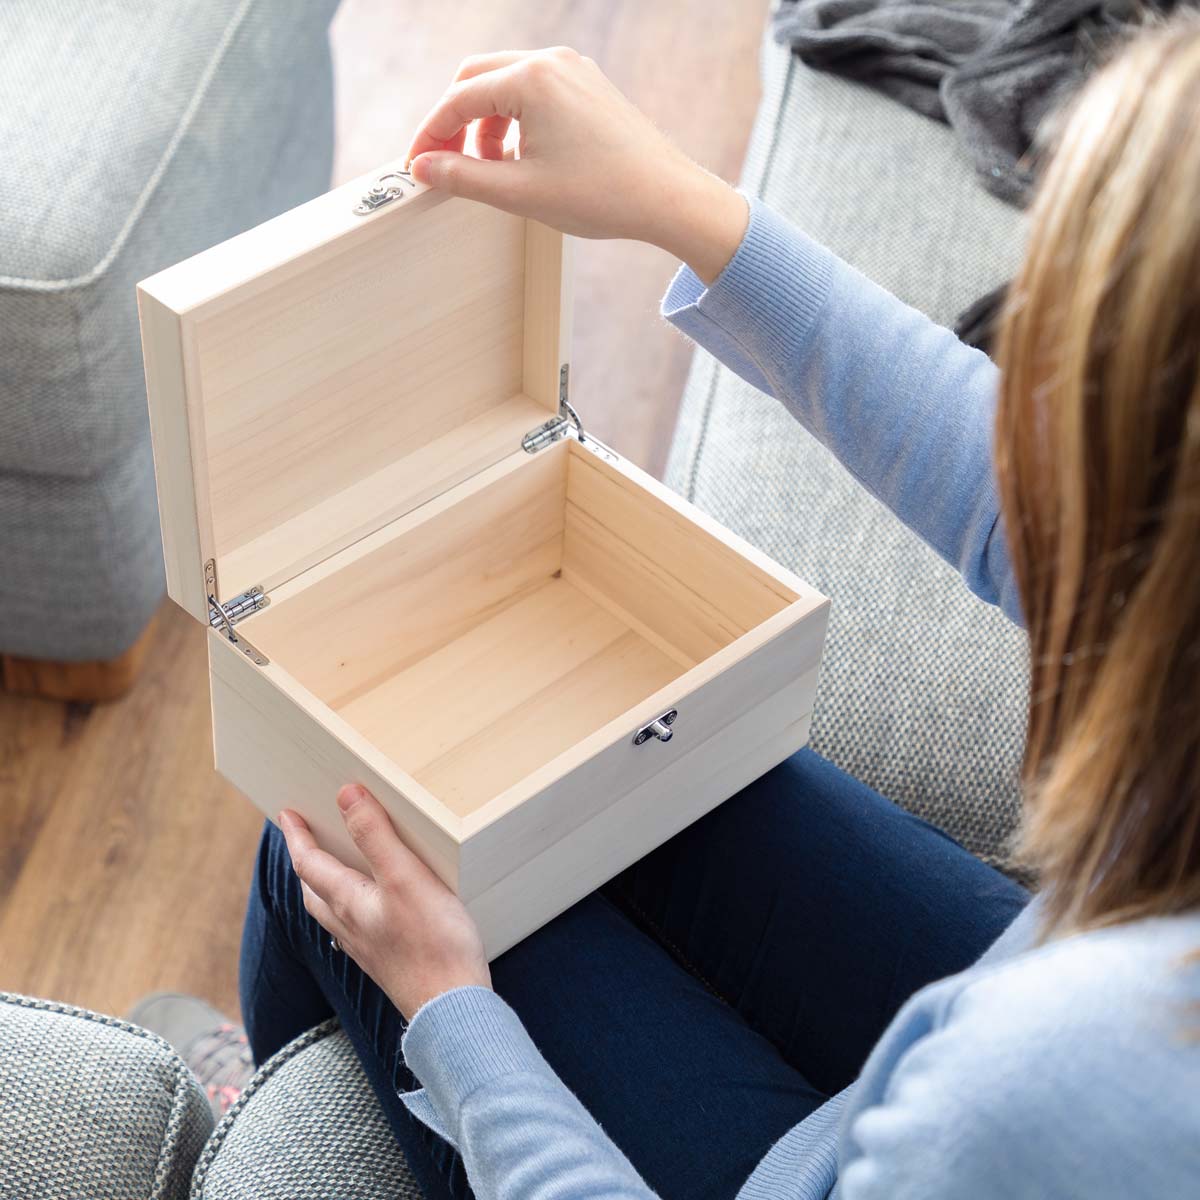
(1065, 1069)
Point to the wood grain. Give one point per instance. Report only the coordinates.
(338, 370)
(594, 853)
(421, 582)
(124, 858)
(489, 702)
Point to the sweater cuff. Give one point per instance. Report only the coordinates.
(767, 297)
(460, 1041)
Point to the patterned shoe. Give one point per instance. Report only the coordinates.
(212, 1046)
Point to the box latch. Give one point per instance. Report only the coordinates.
(388, 187)
(659, 728)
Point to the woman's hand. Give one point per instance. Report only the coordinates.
(401, 924)
(590, 163)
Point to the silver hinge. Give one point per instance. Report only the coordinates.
(557, 427)
(388, 187)
(224, 617)
(250, 601)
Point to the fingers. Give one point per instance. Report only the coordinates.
(501, 184)
(452, 135)
(317, 868)
(492, 94)
(321, 912)
(391, 861)
(372, 832)
(489, 136)
(480, 64)
(490, 132)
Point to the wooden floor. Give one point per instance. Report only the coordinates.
(124, 860)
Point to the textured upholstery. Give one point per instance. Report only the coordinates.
(132, 135)
(93, 1106)
(307, 1127)
(922, 688)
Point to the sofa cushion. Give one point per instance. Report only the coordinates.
(923, 687)
(307, 1127)
(134, 135)
(93, 1106)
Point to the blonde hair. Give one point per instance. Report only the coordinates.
(1098, 460)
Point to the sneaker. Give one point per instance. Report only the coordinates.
(214, 1047)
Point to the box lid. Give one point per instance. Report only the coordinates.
(332, 369)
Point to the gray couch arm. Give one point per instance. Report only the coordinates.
(93, 1106)
(132, 136)
(306, 1127)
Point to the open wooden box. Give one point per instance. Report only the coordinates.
(420, 573)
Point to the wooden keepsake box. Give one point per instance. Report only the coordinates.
(419, 572)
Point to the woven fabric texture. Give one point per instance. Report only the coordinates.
(922, 691)
(307, 1127)
(133, 135)
(93, 1106)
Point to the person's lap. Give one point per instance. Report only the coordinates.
(705, 1000)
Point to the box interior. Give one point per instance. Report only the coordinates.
(347, 385)
(476, 645)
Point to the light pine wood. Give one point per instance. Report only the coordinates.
(338, 371)
(448, 614)
(285, 749)
(177, 431)
(548, 303)
(440, 652)
(488, 690)
(125, 857)
(386, 602)
(574, 788)
(591, 855)
(486, 710)
(319, 531)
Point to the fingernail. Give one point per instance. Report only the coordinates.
(350, 794)
(283, 817)
(419, 169)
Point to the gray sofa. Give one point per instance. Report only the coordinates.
(131, 136)
(923, 688)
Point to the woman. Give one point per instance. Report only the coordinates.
(808, 988)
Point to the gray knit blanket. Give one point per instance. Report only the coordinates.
(992, 69)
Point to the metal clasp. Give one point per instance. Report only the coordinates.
(382, 192)
(660, 728)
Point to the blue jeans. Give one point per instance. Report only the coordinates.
(704, 1001)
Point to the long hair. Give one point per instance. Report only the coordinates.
(1098, 462)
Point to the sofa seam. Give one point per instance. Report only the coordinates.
(18, 283)
(170, 1141)
(216, 1139)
